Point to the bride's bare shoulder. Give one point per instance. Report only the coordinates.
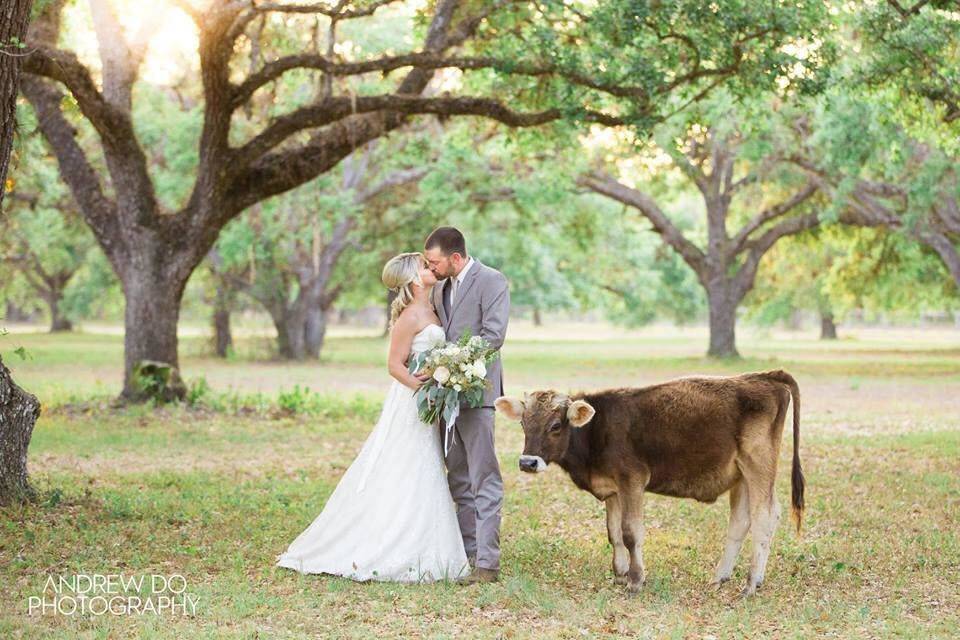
(405, 322)
(410, 322)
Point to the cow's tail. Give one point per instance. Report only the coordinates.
(796, 476)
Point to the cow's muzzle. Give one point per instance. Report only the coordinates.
(532, 464)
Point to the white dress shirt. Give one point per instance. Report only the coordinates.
(459, 280)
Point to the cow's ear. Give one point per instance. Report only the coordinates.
(512, 408)
(579, 413)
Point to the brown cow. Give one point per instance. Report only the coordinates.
(688, 438)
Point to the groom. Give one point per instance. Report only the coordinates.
(471, 297)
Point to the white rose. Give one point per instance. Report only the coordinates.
(480, 368)
(441, 375)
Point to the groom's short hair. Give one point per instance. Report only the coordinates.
(448, 239)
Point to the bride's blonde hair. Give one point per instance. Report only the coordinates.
(400, 274)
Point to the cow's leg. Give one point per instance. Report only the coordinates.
(736, 532)
(621, 557)
(757, 461)
(764, 518)
(631, 503)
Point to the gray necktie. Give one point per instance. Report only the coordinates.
(453, 294)
(445, 297)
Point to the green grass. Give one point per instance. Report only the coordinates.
(214, 495)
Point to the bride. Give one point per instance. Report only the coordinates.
(391, 516)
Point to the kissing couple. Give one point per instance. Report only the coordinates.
(404, 511)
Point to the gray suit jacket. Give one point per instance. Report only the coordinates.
(482, 307)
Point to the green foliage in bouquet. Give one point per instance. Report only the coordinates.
(457, 372)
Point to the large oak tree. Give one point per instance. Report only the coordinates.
(726, 263)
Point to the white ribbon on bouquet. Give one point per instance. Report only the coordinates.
(449, 434)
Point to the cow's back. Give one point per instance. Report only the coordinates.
(683, 433)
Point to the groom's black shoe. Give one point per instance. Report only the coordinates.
(481, 575)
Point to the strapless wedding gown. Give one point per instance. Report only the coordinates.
(391, 516)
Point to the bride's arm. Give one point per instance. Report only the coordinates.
(401, 338)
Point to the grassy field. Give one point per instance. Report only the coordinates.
(214, 495)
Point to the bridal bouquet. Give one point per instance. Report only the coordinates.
(457, 372)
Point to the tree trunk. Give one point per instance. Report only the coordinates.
(14, 16)
(283, 341)
(723, 321)
(291, 332)
(296, 330)
(18, 413)
(150, 322)
(222, 336)
(18, 409)
(828, 328)
(15, 314)
(537, 320)
(795, 320)
(947, 250)
(58, 321)
(315, 331)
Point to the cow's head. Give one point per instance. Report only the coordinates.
(546, 418)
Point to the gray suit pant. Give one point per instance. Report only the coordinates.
(473, 474)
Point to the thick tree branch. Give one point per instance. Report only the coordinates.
(84, 182)
(254, 178)
(120, 61)
(945, 248)
(281, 171)
(64, 67)
(332, 110)
(126, 160)
(906, 12)
(947, 215)
(611, 188)
(690, 168)
(337, 11)
(215, 49)
(394, 179)
(757, 247)
(772, 213)
(438, 39)
(420, 60)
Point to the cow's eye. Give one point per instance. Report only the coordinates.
(555, 427)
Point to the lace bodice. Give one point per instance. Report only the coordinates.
(428, 337)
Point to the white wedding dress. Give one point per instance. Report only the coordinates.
(391, 516)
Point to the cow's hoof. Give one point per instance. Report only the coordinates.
(749, 590)
(621, 580)
(718, 583)
(633, 588)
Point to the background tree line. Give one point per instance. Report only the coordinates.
(786, 158)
